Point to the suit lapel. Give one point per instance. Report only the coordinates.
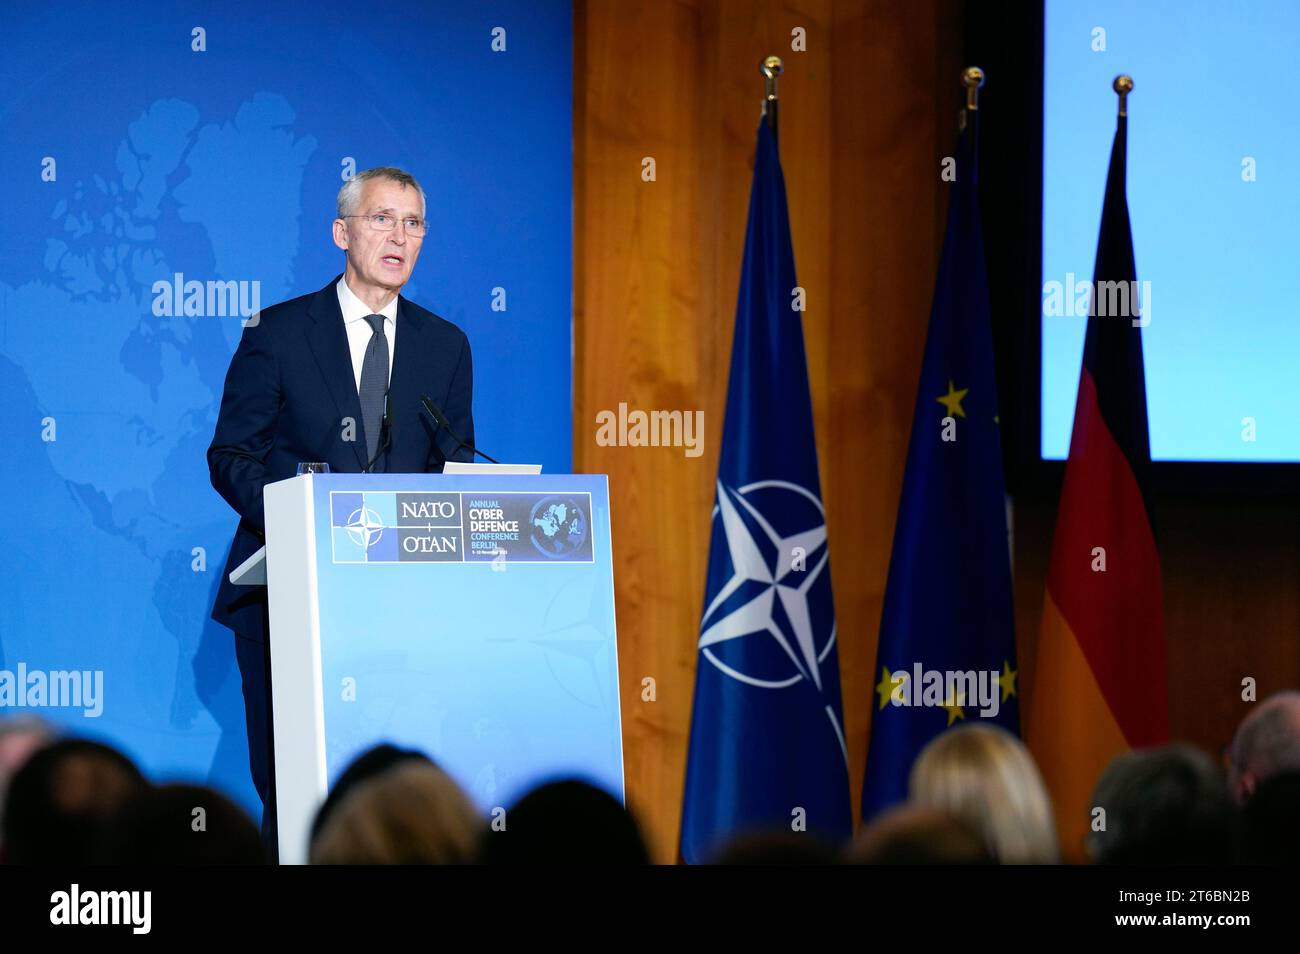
(328, 340)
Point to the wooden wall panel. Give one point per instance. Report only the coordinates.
(657, 266)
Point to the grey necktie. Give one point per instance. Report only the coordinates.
(374, 383)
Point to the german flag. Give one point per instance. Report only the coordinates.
(1100, 684)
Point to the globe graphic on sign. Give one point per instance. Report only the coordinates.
(364, 527)
(559, 527)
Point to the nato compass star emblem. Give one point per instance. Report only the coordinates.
(364, 527)
(771, 593)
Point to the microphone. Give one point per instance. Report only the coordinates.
(441, 420)
(385, 432)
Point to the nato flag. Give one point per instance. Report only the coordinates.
(947, 653)
(767, 740)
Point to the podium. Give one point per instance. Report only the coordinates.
(471, 617)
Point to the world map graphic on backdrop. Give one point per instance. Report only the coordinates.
(102, 258)
(137, 164)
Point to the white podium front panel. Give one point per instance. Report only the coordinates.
(471, 617)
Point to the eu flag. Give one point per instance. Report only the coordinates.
(767, 740)
(947, 654)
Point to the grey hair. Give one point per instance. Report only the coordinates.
(1268, 740)
(350, 194)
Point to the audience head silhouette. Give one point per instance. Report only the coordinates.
(568, 822)
(20, 737)
(1165, 806)
(1267, 743)
(181, 825)
(777, 848)
(409, 814)
(918, 835)
(62, 799)
(1271, 822)
(984, 777)
(370, 763)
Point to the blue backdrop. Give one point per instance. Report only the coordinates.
(131, 156)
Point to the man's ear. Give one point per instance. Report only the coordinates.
(1249, 782)
(341, 234)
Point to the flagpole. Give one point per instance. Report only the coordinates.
(771, 68)
(1123, 85)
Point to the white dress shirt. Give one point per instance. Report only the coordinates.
(359, 330)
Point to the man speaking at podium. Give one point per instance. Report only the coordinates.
(337, 377)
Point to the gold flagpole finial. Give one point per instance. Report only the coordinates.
(972, 77)
(771, 67)
(1123, 85)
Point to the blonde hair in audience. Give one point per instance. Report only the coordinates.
(984, 776)
(414, 813)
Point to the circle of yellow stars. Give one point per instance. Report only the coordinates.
(954, 707)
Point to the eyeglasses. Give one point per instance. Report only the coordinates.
(383, 222)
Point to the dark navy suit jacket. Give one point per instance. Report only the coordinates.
(290, 388)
